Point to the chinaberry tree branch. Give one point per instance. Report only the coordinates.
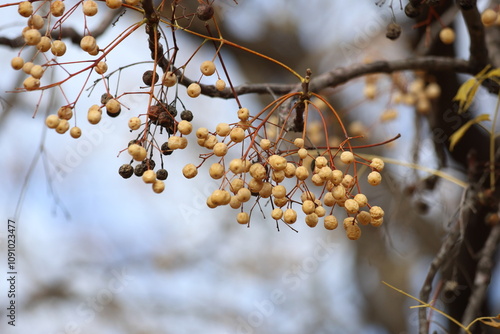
(483, 276)
(478, 57)
(68, 32)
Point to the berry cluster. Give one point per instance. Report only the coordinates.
(285, 156)
(286, 173)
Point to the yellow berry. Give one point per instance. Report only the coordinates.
(320, 211)
(113, 106)
(377, 164)
(243, 218)
(347, 157)
(353, 232)
(302, 153)
(94, 116)
(312, 220)
(31, 83)
(149, 176)
(236, 185)
(447, 35)
(58, 48)
(222, 129)
(25, 8)
(236, 166)
(301, 173)
(307, 195)
(331, 222)
(337, 176)
(52, 121)
(37, 71)
(220, 149)
(189, 171)
(376, 212)
(210, 142)
(221, 197)
(277, 162)
(174, 142)
(32, 36)
(202, 133)
(101, 67)
(75, 132)
(216, 171)
(321, 162)
(88, 43)
(17, 63)
(194, 90)
(258, 171)
(169, 79)
(348, 181)
(62, 127)
(243, 195)
(237, 135)
(27, 67)
(134, 123)
(374, 178)
(114, 4)
(89, 7)
(158, 186)
(255, 185)
(185, 127)
(290, 216)
(299, 142)
(370, 91)
(234, 203)
(339, 192)
(277, 213)
(361, 200)
(433, 91)
(207, 68)
(57, 8)
(489, 17)
(36, 22)
(279, 191)
(308, 207)
(351, 206)
(220, 85)
(44, 44)
(376, 222)
(265, 144)
(65, 112)
(266, 190)
(243, 114)
(364, 218)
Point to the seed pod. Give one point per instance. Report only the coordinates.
(393, 31)
(126, 171)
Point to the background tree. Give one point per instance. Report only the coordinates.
(331, 102)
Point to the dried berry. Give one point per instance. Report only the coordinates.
(147, 78)
(165, 150)
(411, 11)
(139, 170)
(393, 31)
(149, 163)
(126, 171)
(187, 115)
(204, 12)
(161, 174)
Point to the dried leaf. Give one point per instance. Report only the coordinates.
(455, 137)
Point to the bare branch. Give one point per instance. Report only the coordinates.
(483, 276)
(478, 52)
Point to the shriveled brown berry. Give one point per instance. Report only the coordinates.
(147, 78)
(393, 31)
(204, 12)
(126, 171)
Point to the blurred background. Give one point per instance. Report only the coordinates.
(97, 253)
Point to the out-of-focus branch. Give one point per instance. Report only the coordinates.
(483, 276)
(343, 75)
(478, 57)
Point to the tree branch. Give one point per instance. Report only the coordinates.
(483, 276)
(478, 57)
